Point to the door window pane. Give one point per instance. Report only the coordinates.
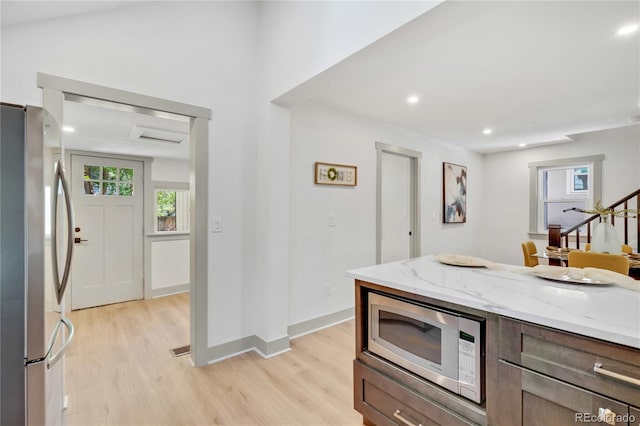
(108, 180)
(109, 188)
(110, 173)
(91, 187)
(126, 174)
(125, 189)
(91, 172)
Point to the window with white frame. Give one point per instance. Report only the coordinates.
(171, 207)
(559, 186)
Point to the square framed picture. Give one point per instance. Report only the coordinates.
(454, 192)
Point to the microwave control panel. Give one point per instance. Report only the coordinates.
(469, 359)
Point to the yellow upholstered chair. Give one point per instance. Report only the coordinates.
(528, 249)
(612, 262)
(626, 248)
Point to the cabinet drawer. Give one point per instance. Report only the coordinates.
(572, 358)
(385, 402)
(533, 399)
(634, 416)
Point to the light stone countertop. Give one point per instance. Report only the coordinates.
(606, 312)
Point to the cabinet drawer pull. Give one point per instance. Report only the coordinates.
(597, 368)
(400, 417)
(607, 416)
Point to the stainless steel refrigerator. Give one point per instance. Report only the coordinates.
(36, 245)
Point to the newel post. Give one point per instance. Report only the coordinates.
(555, 239)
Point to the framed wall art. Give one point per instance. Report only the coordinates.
(336, 174)
(454, 179)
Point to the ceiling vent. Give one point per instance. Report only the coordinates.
(150, 134)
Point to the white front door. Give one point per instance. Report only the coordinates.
(396, 207)
(107, 196)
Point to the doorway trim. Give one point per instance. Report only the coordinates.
(199, 188)
(415, 158)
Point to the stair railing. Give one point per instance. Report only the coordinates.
(557, 235)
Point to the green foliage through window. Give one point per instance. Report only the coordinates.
(166, 203)
(166, 211)
(172, 210)
(113, 180)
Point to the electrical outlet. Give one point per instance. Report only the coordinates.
(327, 289)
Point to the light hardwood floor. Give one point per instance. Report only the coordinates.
(119, 371)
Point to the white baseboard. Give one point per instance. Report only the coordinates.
(316, 324)
(168, 291)
(276, 347)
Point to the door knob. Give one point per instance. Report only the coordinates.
(78, 240)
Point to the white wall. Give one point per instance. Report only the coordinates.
(506, 190)
(298, 39)
(231, 57)
(201, 53)
(169, 170)
(169, 263)
(321, 254)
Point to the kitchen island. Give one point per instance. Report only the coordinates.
(542, 342)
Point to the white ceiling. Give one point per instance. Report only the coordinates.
(535, 72)
(100, 126)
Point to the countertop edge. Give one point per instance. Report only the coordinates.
(571, 327)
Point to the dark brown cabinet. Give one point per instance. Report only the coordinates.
(547, 377)
(384, 401)
(537, 400)
(534, 376)
(387, 394)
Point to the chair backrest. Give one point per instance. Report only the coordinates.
(528, 249)
(626, 248)
(612, 262)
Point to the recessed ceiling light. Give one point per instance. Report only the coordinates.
(628, 29)
(413, 99)
(487, 131)
(68, 129)
(522, 145)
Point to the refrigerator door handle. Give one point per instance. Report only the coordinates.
(61, 284)
(58, 355)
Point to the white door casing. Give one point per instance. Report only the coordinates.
(397, 203)
(108, 202)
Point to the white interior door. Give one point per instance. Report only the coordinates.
(107, 195)
(396, 207)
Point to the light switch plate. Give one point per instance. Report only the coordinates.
(216, 225)
(332, 220)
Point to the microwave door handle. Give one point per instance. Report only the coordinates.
(61, 284)
(70, 332)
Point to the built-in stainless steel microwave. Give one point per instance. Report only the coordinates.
(441, 346)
